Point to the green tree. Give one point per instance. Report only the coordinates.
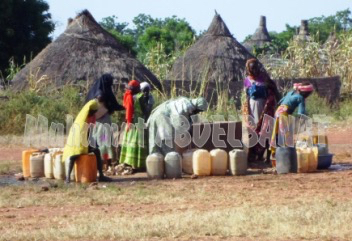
(280, 41)
(142, 22)
(111, 23)
(323, 26)
(173, 34)
(25, 26)
(122, 34)
(149, 34)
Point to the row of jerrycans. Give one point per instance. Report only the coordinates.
(38, 164)
(197, 161)
(50, 165)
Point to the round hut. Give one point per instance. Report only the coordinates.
(83, 52)
(303, 32)
(332, 41)
(216, 57)
(260, 37)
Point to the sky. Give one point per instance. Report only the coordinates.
(241, 17)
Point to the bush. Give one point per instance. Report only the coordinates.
(53, 106)
(317, 105)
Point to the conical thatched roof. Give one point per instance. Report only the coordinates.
(216, 56)
(260, 37)
(84, 51)
(303, 33)
(332, 41)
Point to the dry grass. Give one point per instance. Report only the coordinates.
(10, 167)
(313, 59)
(312, 220)
(267, 207)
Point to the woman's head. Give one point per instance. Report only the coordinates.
(134, 87)
(253, 67)
(200, 104)
(145, 88)
(305, 88)
(107, 80)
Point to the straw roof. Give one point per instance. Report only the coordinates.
(84, 51)
(216, 56)
(260, 37)
(303, 33)
(332, 41)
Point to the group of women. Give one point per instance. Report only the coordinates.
(262, 98)
(137, 143)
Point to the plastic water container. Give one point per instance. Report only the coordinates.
(286, 160)
(155, 166)
(173, 165)
(322, 149)
(313, 158)
(219, 160)
(48, 165)
(238, 162)
(37, 164)
(58, 166)
(201, 162)
(67, 165)
(187, 163)
(86, 168)
(324, 161)
(320, 139)
(302, 161)
(25, 162)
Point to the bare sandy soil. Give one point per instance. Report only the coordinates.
(133, 197)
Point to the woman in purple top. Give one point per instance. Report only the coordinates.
(261, 99)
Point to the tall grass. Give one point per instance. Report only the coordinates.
(341, 111)
(313, 59)
(53, 105)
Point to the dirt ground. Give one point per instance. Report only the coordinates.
(132, 197)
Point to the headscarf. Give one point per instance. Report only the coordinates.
(102, 87)
(74, 145)
(200, 103)
(247, 82)
(248, 63)
(128, 99)
(145, 85)
(303, 88)
(133, 84)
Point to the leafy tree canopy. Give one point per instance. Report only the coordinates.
(173, 33)
(25, 26)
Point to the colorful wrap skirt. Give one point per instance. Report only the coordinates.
(134, 148)
(278, 125)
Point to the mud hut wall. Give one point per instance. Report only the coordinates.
(326, 87)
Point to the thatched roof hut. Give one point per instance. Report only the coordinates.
(303, 33)
(216, 56)
(332, 41)
(260, 37)
(84, 51)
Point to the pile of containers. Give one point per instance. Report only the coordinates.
(303, 158)
(38, 164)
(197, 161)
